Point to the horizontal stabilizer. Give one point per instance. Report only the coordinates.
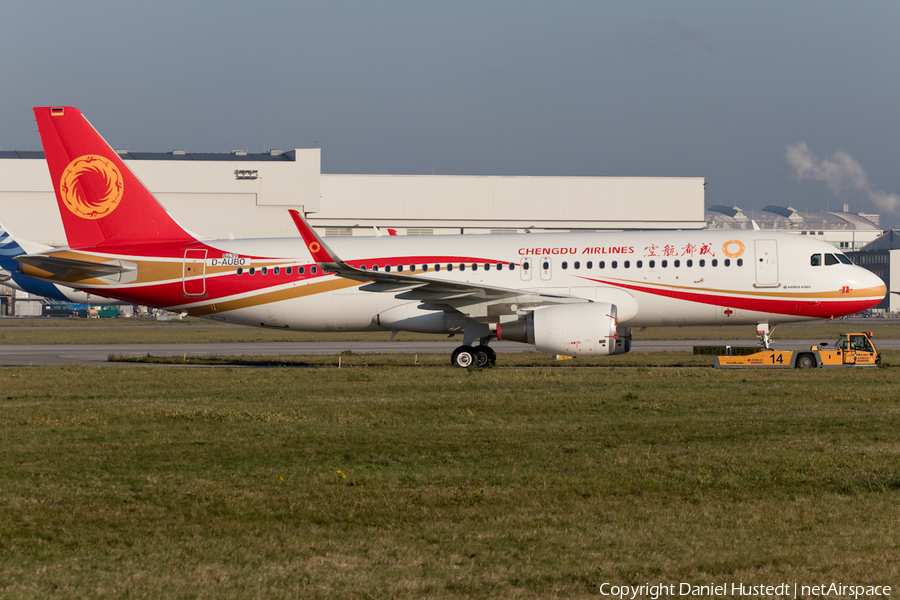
(69, 267)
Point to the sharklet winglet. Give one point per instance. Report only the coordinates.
(317, 247)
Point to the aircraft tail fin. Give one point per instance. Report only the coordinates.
(100, 200)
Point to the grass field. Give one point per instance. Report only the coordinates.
(148, 482)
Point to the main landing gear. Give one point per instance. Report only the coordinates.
(466, 356)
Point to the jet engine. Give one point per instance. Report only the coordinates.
(589, 329)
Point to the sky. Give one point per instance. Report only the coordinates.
(788, 103)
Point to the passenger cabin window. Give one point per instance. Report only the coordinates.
(525, 265)
(815, 260)
(740, 262)
(589, 265)
(565, 265)
(727, 262)
(831, 259)
(702, 262)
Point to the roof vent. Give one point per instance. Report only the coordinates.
(179, 152)
(240, 153)
(276, 152)
(121, 151)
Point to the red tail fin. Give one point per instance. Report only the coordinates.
(100, 200)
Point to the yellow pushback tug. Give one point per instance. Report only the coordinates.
(851, 350)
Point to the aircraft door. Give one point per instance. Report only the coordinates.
(766, 263)
(194, 274)
(526, 267)
(546, 267)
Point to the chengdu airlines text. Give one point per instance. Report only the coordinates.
(734, 590)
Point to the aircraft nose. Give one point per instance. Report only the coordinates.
(869, 282)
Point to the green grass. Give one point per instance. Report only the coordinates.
(149, 482)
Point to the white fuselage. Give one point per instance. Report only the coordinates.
(654, 278)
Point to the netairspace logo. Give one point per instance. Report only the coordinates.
(735, 590)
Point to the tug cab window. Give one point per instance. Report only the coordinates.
(815, 260)
(855, 342)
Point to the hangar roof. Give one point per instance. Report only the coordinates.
(889, 241)
(785, 217)
(237, 155)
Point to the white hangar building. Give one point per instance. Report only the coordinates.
(248, 195)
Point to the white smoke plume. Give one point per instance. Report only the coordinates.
(840, 173)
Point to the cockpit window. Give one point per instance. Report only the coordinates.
(831, 259)
(844, 259)
(815, 260)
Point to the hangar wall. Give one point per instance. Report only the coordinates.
(453, 202)
(247, 195)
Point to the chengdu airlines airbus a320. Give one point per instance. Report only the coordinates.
(575, 294)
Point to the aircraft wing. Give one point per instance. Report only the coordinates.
(475, 300)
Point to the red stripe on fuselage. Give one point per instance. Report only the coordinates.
(816, 309)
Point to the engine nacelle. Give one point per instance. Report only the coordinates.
(589, 329)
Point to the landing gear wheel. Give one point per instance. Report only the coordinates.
(463, 357)
(484, 355)
(806, 361)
